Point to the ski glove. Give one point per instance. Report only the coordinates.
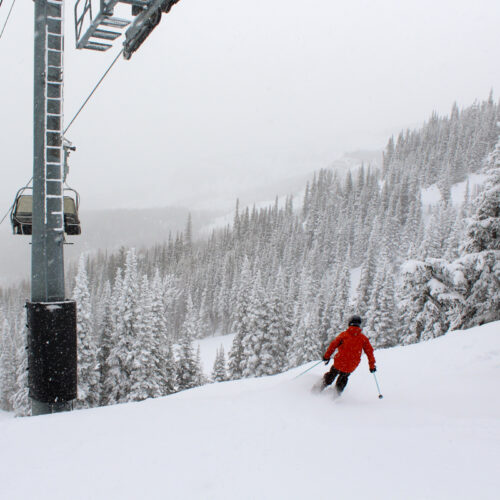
(373, 370)
(326, 360)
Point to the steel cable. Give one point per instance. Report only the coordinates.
(93, 90)
(8, 16)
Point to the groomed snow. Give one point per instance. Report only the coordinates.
(435, 435)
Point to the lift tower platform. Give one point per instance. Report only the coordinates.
(99, 31)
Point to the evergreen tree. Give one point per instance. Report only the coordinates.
(219, 372)
(306, 344)
(201, 379)
(257, 335)
(146, 377)
(382, 327)
(367, 273)
(19, 400)
(106, 328)
(121, 357)
(188, 372)
(241, 326)
(7, 367)
(88, 367)
(165, 359)
(480, 266)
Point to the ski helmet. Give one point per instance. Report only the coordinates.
(355, 320)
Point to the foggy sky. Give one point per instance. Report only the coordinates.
(227, 94)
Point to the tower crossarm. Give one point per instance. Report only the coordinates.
(99, 31)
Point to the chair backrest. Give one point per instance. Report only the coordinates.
(69, 205)
(24, 204)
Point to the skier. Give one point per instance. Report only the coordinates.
(349, 343)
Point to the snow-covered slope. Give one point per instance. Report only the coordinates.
(435, 435)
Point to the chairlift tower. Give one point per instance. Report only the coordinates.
(52, 340)
(52, 363)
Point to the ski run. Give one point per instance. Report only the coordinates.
(435, 435)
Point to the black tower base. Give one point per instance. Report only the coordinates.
(52, 355)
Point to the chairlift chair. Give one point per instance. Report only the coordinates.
(21, 214)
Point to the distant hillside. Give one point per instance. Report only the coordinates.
(101, 229)
(110, 229)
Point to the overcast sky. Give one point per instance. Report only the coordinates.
(230, 93)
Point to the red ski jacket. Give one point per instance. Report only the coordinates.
(350, 343)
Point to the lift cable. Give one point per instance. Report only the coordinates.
(8, 15)
(93, 90)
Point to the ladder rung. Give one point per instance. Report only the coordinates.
(97, 46)
(106, 34)
(115, 22)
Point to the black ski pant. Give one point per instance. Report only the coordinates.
(333, 374)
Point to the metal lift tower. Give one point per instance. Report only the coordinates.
(52, 363)
(52, 339)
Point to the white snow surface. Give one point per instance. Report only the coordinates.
(434, 435)
(209, 347)
(432, 195)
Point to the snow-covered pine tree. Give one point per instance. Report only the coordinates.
(368, 270)
(169, 368)
(280, 325)
(166, 360)
(479, 278)
(7, 366)
(201, 379)
(110, 369)
(219, 372)
(428, 299)
(306, 344)
(20, 399)
(241, 326)
(88, 366)
(381, 319)
(257, 335)
(188, 375)
(121, 357)
(145, 378)
(171, 294)
(106, 329)
(374, 305)
(338, 308)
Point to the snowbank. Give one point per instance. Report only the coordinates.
(435, 435)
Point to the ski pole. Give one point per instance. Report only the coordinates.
(300, 374)
(378, 388)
